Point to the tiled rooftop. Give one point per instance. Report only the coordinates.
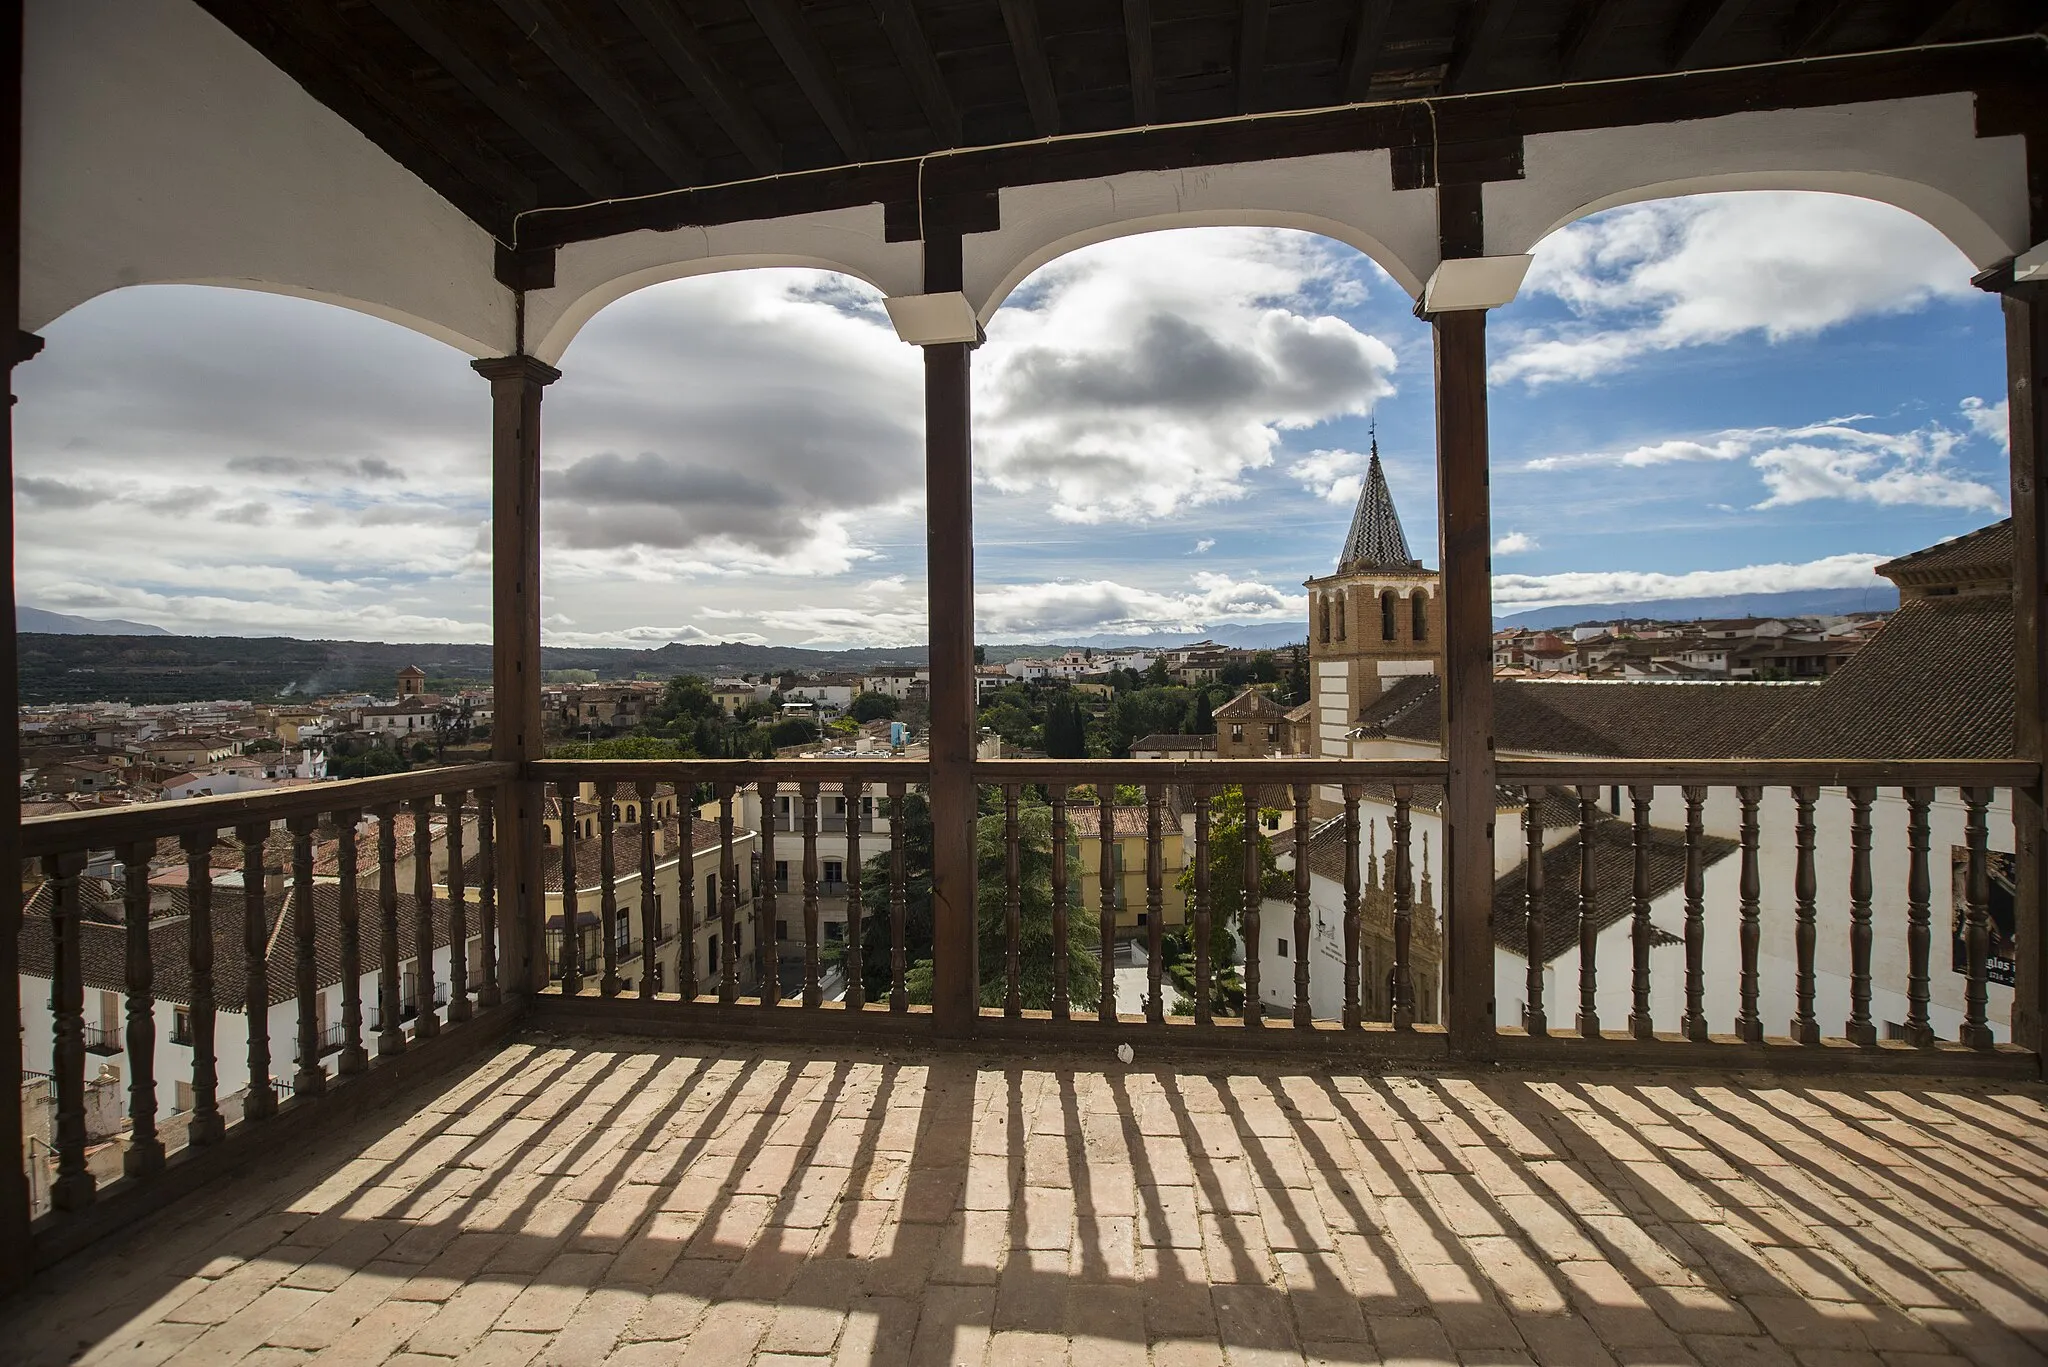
(592, 1201)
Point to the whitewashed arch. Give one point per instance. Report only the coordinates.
(590, 275)
(159, 148)
(1922, 155)
(1346, 196)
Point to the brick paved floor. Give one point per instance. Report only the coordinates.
(594, 1201)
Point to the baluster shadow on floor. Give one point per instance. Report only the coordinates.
(590, 1200)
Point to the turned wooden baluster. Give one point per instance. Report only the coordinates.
(899, 1000)
(1155, 907)
(207, 1126)
(1694, 1024)
(1353, 929)
(687, 980)
(728, 902)
(1062, 1005)
(1253, 894)
(1805, 1029)
(650, 913)
(1304, 1013)
(74, 1184)
(259, 1101)
(1976, 1028)
(145, 1155)
(1013, 924)
(1749, 1022)
(1105, 795)
(1534, 1022)
(767, 936)
(853, 955)
(1639, 1023)
(390, 1029)
(1589, 932)
(458, 912)
(1860, 1029)
(572, 933)
(487, 994)
(608, 887)
(1404, 909)
(1205, 971)
(310, 1078)
(807, 794)
(1919, 1031)
(427, 1022)
(353, 1058)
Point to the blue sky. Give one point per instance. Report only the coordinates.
(1728, 394)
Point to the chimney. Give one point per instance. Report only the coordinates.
(273, 880)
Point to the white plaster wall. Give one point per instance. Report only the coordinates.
(1920, 154)
(159, 147)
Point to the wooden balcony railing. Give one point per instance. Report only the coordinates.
(1776, 914)
(236, 938)
(1667, 907)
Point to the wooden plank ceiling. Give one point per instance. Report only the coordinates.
(507, 105)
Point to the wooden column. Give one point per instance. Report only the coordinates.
(15, 346)
(1464, 511)
(516, 385)
(2026, 351)
(949, 558)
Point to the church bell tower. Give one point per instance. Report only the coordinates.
(1376, 620)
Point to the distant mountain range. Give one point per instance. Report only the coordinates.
(63, 624)
(1796, 603)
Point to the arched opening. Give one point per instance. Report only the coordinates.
(1418, 616)
(1387, 614)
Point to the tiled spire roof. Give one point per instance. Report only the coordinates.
(1376, 541)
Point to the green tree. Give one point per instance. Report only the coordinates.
(1066, 730)
(1234, 674)
(792, 731)
(872, 707)
(1156, 676)
(1141, 713)
(1034, 958)
(1201, 717)
(621, 747)
(371, 763)
(1227, 901)
(684, 702)
(1265, 669)
(1297, 678)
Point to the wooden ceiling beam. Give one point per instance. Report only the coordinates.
(683, 51)
(1253, 21)
(1938, 18)
(1488, 25)
(914, 52)
(1138, 44)
(1701, 25)
(327, 41)
(798, 47)
(560, 34)
(1813, 24)
(434, 29)
(1367, 38)
(1020, 17)
(1593, 26)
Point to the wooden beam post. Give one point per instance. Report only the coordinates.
(17, 346)
(2026, 352)
(516, 385)
(1463, 501)
(949, 555)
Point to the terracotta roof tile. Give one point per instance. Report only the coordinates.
(1557, 906)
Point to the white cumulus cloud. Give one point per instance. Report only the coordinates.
(1140, 378)
(1708, 268)
(1854, 571)
(1516, 543)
